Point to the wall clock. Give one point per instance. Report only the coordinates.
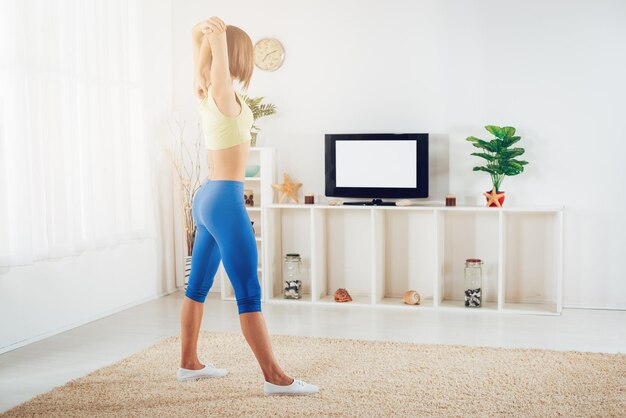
(269, 54)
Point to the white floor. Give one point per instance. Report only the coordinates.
(39, 367)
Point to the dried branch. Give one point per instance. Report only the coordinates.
(188, 169)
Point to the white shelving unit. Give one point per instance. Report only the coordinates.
(379, 252)
(261, 184)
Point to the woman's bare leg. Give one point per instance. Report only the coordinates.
(190, 320)
(255, 332)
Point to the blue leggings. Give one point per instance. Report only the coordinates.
(224, 232)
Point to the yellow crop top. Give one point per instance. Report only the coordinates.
(221, 131)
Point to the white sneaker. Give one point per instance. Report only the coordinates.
(297, 387)
(209, 370)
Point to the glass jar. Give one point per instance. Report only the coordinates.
(473, 282)
(293, 284)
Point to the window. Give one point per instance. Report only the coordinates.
(73, 153)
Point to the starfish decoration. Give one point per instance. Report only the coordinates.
(493, 197)
(288, 188)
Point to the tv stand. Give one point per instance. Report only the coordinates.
(379, 252)
(374, 202)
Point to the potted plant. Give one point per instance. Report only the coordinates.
(500, 158)
(258, 111)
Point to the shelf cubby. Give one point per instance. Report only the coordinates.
(468, 234)
(531, 278)
(254, 184)
(343, 247)
(288, 231)
(407, 256)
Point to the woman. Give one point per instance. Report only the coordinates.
(222, 54)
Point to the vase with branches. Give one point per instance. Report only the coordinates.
(187, 164)
(259, 110)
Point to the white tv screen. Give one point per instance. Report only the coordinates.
(374, 163)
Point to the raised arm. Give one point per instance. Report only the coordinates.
(201, 58)
(221, 81)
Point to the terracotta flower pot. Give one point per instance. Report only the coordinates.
(491, 200)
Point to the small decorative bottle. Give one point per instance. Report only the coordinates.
(473, 282)
(293, 285)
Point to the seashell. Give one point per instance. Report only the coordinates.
(411, 297)
(342, 295)
(335, 202)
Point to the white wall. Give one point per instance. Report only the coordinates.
(51, 296)
(555, 70)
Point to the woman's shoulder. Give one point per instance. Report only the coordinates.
(212, 102)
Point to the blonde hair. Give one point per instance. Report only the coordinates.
(240, 55)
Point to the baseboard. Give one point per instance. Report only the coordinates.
(599, 307)
(83, 322)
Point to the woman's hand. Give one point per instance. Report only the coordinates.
(213, 27)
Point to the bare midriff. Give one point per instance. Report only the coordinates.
(229, 163)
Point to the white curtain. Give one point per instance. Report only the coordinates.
(74, 158)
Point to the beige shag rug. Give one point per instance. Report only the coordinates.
(356, 378)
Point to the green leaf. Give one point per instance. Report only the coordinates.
(487, 169)
(479, 143)
(520, 162)
(508, 131)
(512, 164)
(507, 142)
(495, 130)
(511, 171)
(514, 167)
(511, 153)
(495, 145)
(472, 139)
(484, 155)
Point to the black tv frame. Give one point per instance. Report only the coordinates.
(421, 191)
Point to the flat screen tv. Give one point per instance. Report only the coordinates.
(377, 165)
